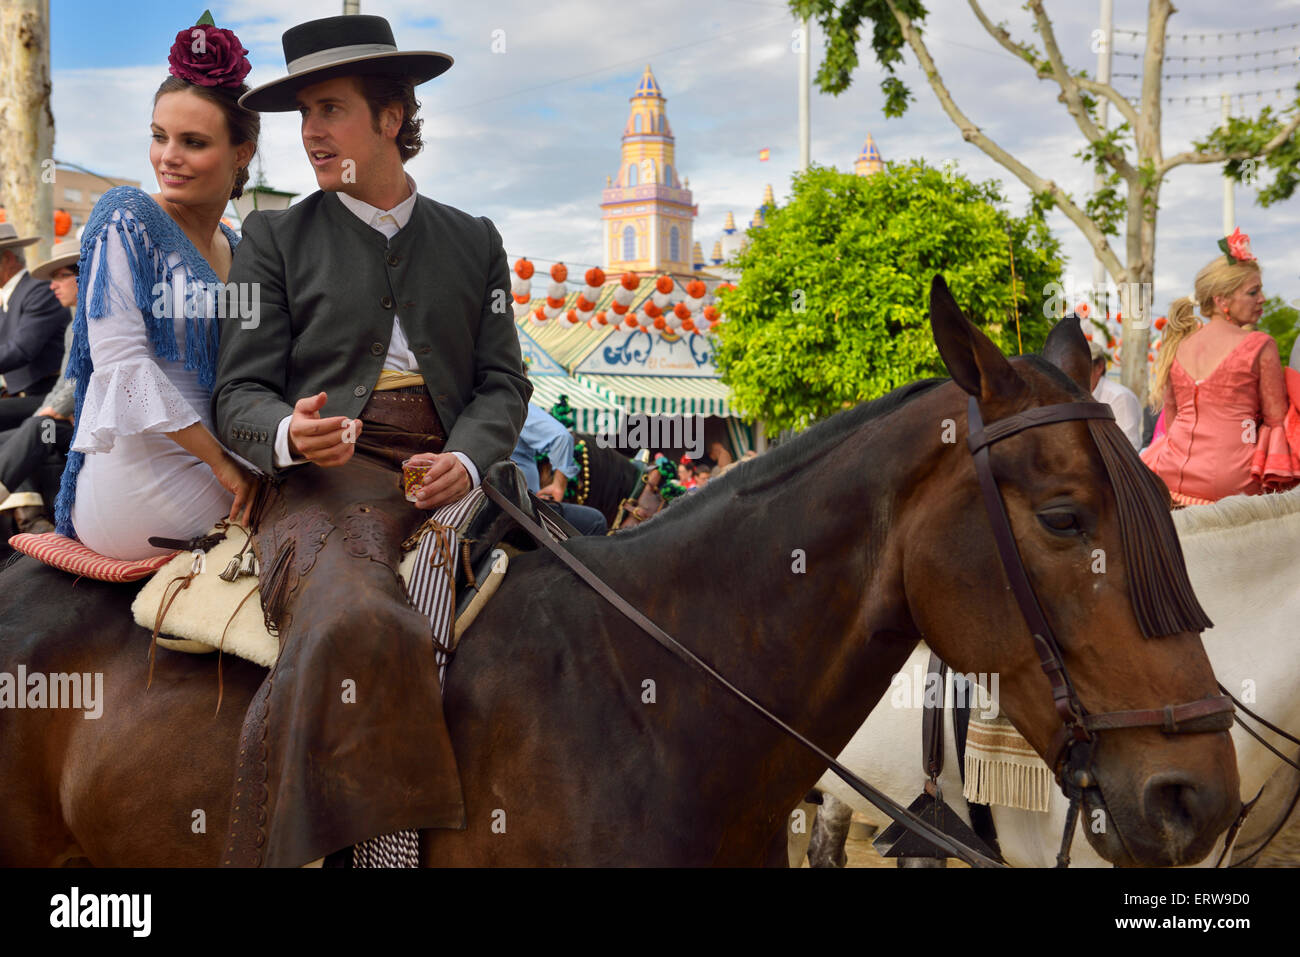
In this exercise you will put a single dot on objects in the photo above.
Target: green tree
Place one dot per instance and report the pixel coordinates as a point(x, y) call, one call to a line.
point(833, 305)
point(1128, 158)
point(1279, 321)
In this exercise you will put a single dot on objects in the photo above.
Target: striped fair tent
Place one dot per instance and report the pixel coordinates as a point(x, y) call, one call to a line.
point(595, 411)
point(664, 395)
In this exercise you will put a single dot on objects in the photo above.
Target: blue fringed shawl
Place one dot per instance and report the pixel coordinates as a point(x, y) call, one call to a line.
point(150, 236)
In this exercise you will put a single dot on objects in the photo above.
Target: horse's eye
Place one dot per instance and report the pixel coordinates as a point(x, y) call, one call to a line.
point(1060, 521)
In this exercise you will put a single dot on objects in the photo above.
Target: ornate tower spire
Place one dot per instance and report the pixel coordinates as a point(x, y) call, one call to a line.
point(648, 210)
point(868, 160)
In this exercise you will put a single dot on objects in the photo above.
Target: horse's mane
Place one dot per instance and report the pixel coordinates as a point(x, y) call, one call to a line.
point(787, 459)
point(1236, 511)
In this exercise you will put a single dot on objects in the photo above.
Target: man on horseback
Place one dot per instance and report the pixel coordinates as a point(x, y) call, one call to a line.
point(384, 332)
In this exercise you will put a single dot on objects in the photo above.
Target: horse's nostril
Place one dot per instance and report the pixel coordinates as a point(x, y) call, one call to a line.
point(1173, 802)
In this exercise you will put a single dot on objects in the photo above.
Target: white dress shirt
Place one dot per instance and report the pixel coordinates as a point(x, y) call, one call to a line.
point(1128, 410)
point(400, 356)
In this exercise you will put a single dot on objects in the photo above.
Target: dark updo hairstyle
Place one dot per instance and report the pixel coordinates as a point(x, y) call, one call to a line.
point(245, 125)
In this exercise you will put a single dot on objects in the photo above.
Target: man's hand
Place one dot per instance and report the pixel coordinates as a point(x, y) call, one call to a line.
point(555, 491)
point(327, 442)
point(446, 482)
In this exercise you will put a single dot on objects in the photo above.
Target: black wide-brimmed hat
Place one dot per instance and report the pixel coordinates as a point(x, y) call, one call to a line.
point(340, 46)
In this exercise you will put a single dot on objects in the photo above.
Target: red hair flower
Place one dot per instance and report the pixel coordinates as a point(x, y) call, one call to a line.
point(1237, 246)
point(207, 55)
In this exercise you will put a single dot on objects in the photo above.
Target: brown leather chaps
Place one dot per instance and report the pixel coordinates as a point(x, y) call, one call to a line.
point(345, 739)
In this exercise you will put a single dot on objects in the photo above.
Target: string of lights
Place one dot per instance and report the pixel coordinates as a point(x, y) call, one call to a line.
point(1214, 34)
point(1218, 97)
point(1137, 55)
point(1212, 73)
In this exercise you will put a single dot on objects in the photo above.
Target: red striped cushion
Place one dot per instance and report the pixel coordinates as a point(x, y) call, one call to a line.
point(70, 555)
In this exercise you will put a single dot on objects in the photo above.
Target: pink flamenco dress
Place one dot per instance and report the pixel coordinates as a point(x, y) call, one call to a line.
point(1218, 444)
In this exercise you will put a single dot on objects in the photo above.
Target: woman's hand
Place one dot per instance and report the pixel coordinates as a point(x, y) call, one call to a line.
point(237, 480)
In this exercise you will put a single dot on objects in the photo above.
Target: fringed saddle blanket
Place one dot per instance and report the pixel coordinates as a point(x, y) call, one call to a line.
point(1003, 768)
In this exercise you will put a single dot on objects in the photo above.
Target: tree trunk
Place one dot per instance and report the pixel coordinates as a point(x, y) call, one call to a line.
point(1137, 291)
point(27, 146)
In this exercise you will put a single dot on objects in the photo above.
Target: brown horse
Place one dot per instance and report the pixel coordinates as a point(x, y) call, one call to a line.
point(581, 741)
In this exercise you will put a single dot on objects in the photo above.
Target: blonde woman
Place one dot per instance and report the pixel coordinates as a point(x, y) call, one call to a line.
point(1222, 389)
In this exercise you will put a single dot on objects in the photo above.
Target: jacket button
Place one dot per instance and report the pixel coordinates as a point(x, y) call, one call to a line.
point(393, 259)
point(386, 302)
point(376, 348)
point(359, 391)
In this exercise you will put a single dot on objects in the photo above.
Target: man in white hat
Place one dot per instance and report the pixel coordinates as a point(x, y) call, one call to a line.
point(384, 331)
point(1128, 410)
point(32, 323)
point(44, 436)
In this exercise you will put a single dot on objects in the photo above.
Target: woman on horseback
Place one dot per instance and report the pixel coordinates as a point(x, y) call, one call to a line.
point(1222, 387)
point(145, 461)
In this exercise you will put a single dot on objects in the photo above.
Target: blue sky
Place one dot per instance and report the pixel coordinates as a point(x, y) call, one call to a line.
point(527, 137)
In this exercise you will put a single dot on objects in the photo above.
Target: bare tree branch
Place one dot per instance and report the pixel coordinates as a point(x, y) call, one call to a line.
point(972, 134)
point(1220, 156)
point(1125, 108)
point(1070, 91)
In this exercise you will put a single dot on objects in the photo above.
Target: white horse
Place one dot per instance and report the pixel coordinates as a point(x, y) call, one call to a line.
point(1243, 557)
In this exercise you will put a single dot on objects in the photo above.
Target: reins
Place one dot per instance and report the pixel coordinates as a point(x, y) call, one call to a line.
point(896, 811)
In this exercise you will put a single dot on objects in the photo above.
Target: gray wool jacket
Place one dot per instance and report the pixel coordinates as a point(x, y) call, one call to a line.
point(328, 286)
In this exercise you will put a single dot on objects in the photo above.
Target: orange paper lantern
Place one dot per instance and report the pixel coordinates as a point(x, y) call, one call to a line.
point(559, 272)
point(595, 276)
point(583, 304)
point(664, 284)
point(651, 310)
point(524, 269)
point(618, 308)
point(711, 313)
point(695, 289)
point(630, 280)
point(602, 318)
point(682, 311)
point(1161, 322)
point(688, 325)
point(62, 222)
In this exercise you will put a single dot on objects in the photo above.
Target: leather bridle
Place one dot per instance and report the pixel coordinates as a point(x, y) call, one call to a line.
point(1073, 743)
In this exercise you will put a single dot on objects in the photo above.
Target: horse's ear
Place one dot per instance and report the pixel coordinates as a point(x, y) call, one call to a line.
point(1067, 349)
point(976, 364)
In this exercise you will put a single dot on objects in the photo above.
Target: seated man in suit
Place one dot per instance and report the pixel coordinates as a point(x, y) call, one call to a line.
point(32, 322)
point(384, 331)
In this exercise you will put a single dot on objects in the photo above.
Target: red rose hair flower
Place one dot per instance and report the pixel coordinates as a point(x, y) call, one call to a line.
point(209, 56)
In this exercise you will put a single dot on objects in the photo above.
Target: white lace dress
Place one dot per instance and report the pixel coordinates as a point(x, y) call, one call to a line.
point(136, 482)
